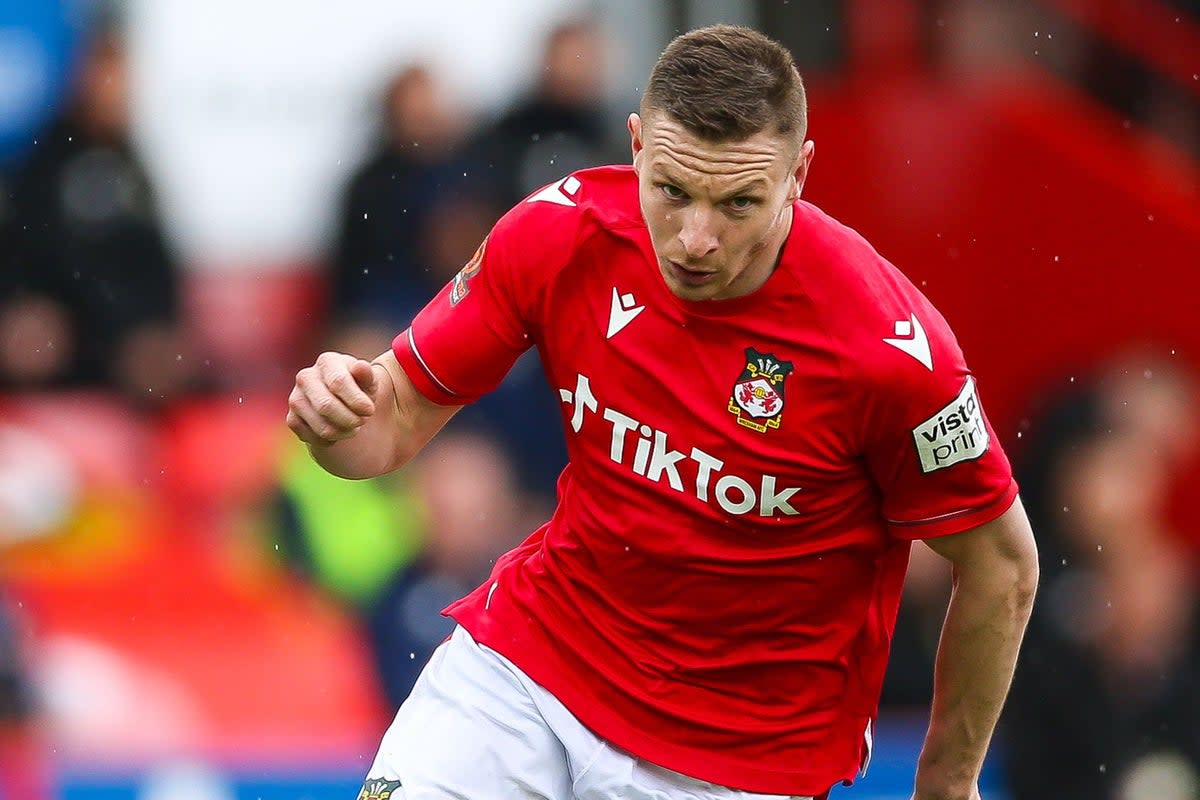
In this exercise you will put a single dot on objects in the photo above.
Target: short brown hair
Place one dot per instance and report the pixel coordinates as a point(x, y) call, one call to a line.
point(726, 82)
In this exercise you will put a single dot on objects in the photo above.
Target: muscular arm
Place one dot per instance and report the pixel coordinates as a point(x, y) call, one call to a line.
point(995, 578)
point(361, 419)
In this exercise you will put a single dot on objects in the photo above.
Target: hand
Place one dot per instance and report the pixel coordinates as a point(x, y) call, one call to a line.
point(332, 399)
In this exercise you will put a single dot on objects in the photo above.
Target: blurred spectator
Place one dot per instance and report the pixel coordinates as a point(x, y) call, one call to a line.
point(467, 487)
point(560, 127)
point(412, 216)
point(91, 296)
point(347, 537)
point(393, 211)
point(1106, 704)
point(399, 548)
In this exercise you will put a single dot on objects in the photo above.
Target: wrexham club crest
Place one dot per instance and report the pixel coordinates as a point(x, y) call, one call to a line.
point(758, 394)
point(462, 280)
point(378, 789)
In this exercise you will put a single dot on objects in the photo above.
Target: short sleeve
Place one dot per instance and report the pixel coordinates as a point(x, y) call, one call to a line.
point(462, 344)
point(928, 443)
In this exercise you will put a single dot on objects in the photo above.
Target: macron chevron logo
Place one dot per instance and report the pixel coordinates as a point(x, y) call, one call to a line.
point(622, 312)
point(911, 339)
point(559, 192)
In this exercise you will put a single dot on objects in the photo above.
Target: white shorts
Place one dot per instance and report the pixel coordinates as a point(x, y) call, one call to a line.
point(477, 728)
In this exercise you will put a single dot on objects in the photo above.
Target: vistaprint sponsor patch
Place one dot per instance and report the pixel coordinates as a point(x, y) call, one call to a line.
point(955, 433)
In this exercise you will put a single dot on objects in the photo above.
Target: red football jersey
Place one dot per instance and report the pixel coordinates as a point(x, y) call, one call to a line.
point(717, 588)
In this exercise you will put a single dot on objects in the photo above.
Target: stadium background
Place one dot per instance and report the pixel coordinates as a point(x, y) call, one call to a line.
point(1032, 166)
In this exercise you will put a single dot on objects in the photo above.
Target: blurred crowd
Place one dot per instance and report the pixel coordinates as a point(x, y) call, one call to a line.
point(1106, 702)
point(91, 307)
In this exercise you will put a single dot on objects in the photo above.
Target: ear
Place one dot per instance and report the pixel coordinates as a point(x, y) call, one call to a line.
point(800, 169)
point(634, 124)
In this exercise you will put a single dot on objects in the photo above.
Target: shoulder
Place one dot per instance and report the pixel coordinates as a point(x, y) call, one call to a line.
point(550, 223)
point(882, 323)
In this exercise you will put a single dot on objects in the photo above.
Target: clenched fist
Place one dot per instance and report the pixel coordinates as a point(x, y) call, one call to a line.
point(332, 399)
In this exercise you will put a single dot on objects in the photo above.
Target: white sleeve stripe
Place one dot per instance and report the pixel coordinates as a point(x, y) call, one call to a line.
point(413, 344)
point(962, 512)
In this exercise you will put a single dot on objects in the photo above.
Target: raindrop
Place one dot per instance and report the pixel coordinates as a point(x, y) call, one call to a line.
point(364, 215)
point(1020, 434)
point(1072, 379)
point(1099, 548)
point(277, 546)
point(1056, 258)
point(412, 656)
point(1150, 217)
point(1064, 562)
point(1066, 509)
point(241, 400)
point(179, 356)
point(1104, 768)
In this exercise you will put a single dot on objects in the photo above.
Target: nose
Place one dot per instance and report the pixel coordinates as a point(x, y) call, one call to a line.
point(698, 234)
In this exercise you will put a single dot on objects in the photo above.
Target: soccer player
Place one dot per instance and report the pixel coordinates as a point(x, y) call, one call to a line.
point(762, 415)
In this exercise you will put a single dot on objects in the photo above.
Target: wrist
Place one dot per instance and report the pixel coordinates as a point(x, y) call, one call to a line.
point(940, 783)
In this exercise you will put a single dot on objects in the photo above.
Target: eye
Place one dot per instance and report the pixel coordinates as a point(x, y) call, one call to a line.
point(742, 203)
point(672, 191)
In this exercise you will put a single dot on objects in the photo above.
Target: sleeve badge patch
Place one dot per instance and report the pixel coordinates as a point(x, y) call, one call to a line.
point(462, 280)
point(757, 398)
point(955, 433)
point(379, 789)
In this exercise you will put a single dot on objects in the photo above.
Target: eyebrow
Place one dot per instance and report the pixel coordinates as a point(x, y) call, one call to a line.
point(747, 188)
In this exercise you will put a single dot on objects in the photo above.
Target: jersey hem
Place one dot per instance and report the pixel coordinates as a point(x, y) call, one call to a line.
point(601, 712)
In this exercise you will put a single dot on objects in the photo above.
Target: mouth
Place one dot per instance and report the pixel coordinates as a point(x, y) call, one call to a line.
point(690, 277)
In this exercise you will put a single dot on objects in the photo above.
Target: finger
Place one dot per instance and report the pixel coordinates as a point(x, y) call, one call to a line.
point(343, 386)
point(363, 373)
point(301, 428)
point(328, 416)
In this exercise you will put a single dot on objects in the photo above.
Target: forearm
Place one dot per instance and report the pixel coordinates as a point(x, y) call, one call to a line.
point(976, 658)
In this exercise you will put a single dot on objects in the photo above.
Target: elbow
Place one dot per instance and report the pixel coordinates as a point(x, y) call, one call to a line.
point(1025, 576)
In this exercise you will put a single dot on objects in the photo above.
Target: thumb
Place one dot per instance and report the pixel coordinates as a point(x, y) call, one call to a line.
point(364, 375)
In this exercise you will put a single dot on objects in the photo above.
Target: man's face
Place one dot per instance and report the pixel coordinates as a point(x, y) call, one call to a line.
point(717, 213)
